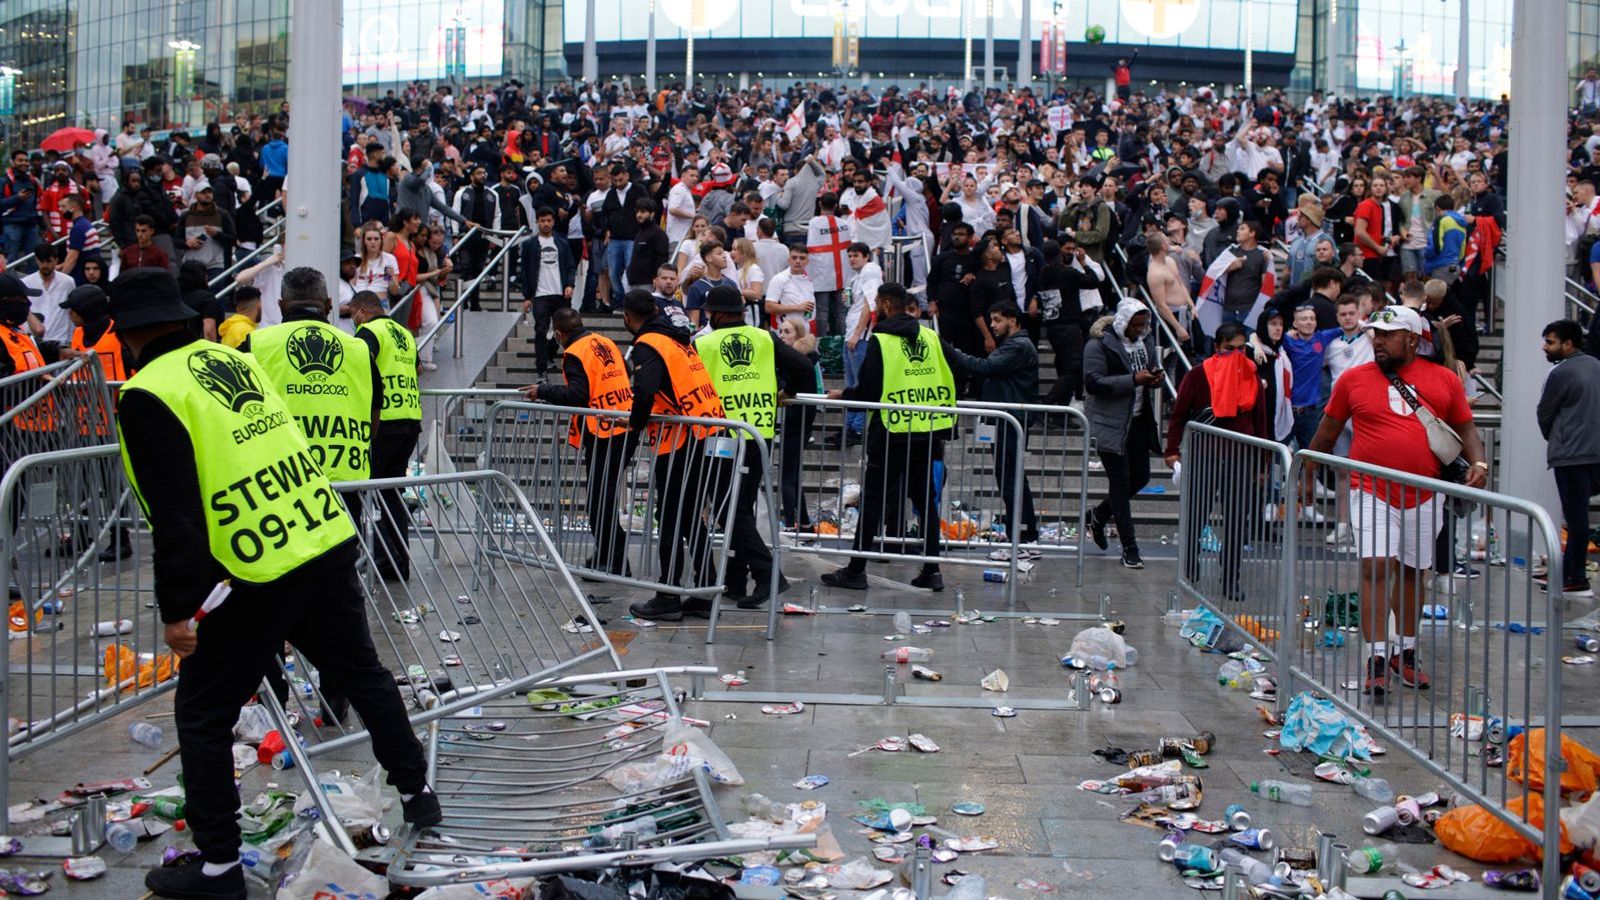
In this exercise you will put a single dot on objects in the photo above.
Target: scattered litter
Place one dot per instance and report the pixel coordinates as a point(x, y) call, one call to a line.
point(1584, 660)
point(944, 855)
point(893, 744)
point(1028, 884)
point(734, 679)
point(471, 620)
point(761, 875)
point(451, 637)
point(547, 698)
point(1003, 712)
point(1517, 880)
point(888, 853)
point(923, 743)
point(574, 626)
point(811, 782)
point(784, 709)
point(646, 623)
point(997, 681)
point(1315, 725)
point(856, 608)
point(967, 809)
point(923, 673)
point(452, 660)
point(859, 875)
point(1333, 772)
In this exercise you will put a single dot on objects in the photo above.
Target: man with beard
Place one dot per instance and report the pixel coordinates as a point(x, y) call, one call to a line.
point(1396, 525)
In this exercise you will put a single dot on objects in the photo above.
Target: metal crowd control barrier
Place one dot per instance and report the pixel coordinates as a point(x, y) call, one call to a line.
point(489, 625)
point(84, 646)
point(1229, 553)
point(55, 407)
point(827, 496)
point(622, 510)
point(1475, 638)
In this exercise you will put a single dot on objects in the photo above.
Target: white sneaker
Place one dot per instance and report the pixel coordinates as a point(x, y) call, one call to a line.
point(1311, 515)
point(1322, 491)
point(1341, 536)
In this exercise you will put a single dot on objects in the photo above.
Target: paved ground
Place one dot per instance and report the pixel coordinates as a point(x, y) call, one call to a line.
point(1024, 770)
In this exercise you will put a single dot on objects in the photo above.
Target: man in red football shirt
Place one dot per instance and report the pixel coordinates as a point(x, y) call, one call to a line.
point(1396, 525)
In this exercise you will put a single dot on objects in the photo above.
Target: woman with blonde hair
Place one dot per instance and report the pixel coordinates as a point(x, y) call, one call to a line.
point(749, 278)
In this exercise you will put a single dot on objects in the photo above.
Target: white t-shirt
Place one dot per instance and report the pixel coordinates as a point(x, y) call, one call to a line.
point(269, 282)
point(549, 268)
point(1019, 275)
point(47, 306)
point(1342, 354)
point(863, 296)
point(374, 279)
point(681, 199)
point(790, 289)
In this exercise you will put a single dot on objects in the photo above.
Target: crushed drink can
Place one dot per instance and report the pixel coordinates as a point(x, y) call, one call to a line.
point(282, 760)
point(1237, 816)
point(1115, 626)
point(1254, 839)
point(111, 627)
point(365, 837)
point(1140, 758)
point(997, 575)
point(1110, 695)
point(1168, 848)
point(1588, 643)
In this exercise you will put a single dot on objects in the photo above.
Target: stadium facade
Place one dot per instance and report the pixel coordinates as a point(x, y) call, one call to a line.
point(187, 62)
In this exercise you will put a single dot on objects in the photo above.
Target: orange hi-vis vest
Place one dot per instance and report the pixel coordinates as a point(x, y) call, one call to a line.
point(25, 357)
point(696, 398)
point(108, 350)
point(608, 387)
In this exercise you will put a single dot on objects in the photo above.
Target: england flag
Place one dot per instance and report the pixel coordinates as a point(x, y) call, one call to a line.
point(1208, 308)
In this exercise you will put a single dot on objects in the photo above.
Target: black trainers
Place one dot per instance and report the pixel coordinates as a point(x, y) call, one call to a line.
point(188, 881)
point(845, 578)
point(661, 607)
point(1095, 529)
point(930, 579)
point(1131, 558)
point(763, 592)
point(1377, 683)
point(422, 810)
point(700, 609)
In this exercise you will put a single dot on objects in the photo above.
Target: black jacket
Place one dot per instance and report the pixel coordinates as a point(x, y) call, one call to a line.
point(162, 458)
point(650, 376)
point(1010, 374)
point(530, 264)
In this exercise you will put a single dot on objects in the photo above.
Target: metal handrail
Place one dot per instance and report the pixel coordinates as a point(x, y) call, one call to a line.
point(398, 308)
point(1576, 293)
point(230, 274)
point(1488, 386)
point(452, 317)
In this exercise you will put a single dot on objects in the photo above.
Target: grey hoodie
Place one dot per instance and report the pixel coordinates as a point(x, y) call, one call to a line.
point(798, 199)
point(416, 196)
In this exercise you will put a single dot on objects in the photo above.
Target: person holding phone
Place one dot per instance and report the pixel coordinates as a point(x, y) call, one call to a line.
point(1121, 372)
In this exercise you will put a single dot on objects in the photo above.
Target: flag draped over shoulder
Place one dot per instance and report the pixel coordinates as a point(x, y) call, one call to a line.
point(1208, 308)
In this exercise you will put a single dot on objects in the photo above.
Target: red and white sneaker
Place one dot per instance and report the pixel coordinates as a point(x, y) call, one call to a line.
point(1377, 683)
point(1404, 664)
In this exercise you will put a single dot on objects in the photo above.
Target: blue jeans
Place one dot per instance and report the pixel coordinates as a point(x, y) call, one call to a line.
point(618, 254)
point(855, 420)
point(1307, 419)
point(1239, 316)
point(19, 238)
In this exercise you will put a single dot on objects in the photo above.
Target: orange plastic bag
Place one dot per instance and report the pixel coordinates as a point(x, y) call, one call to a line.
point(19, 616)
point(123, 667)
point(1254, 625)
point(1476, 833)
point(1582, 773)
point(959, 529)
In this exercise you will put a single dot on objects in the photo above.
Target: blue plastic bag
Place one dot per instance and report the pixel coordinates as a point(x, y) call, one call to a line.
point(1315, 725)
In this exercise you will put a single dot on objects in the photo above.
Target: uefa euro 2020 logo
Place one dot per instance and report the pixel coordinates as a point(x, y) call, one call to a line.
point(228, 379)
point(314, 354)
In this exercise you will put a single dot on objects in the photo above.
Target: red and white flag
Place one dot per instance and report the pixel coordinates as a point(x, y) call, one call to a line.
point(794, 124)
point(1208, 307)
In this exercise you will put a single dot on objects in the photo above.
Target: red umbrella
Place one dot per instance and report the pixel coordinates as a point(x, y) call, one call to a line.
point(64, 140)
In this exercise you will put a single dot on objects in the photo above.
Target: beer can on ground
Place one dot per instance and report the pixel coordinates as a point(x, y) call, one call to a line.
point(1110, 695)
point(1238, 817)
point(111, 627)
point(1143, 758)
point(1407, 810)
point(998, 575)
point(1588, 643)
point(1168, 848)
point(282, 760)
point(1380, 820)
point(367, 836)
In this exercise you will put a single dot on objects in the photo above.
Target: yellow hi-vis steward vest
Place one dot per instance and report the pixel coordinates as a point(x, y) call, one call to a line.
point(397, 366)
point(269, 509)
point(915, 373)
point(325, 378)
point(742, 369)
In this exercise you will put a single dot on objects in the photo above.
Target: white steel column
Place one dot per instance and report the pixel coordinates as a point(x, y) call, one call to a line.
point(1464, 52)
point(315, 76)
point(1025, 46)
point(591, 56)
point(1536, 243)
point(650, 52)
point(988, 44)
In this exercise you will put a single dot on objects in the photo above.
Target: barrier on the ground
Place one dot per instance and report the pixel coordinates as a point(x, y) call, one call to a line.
point(1230, 543)
point(488, 625)
point(620, 512)
point(85, 643)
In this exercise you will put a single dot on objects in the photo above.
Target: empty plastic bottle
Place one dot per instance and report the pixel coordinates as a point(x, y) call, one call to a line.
point(907, 654)
point(1366, 860)
point(644, 827)
point(902, 622)
point(121, 837)
point(1195, 856)
point(1283, 791)
point(1088, 662)
point(1255, 870)
point(1373, 788)
point(1234, 674)
point(145, 733)
point(762, 807)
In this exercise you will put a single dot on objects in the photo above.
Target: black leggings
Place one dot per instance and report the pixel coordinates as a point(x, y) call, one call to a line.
point(1127, 473)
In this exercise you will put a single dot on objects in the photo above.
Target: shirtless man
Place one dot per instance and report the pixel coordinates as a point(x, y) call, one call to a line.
point(1167, 289)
